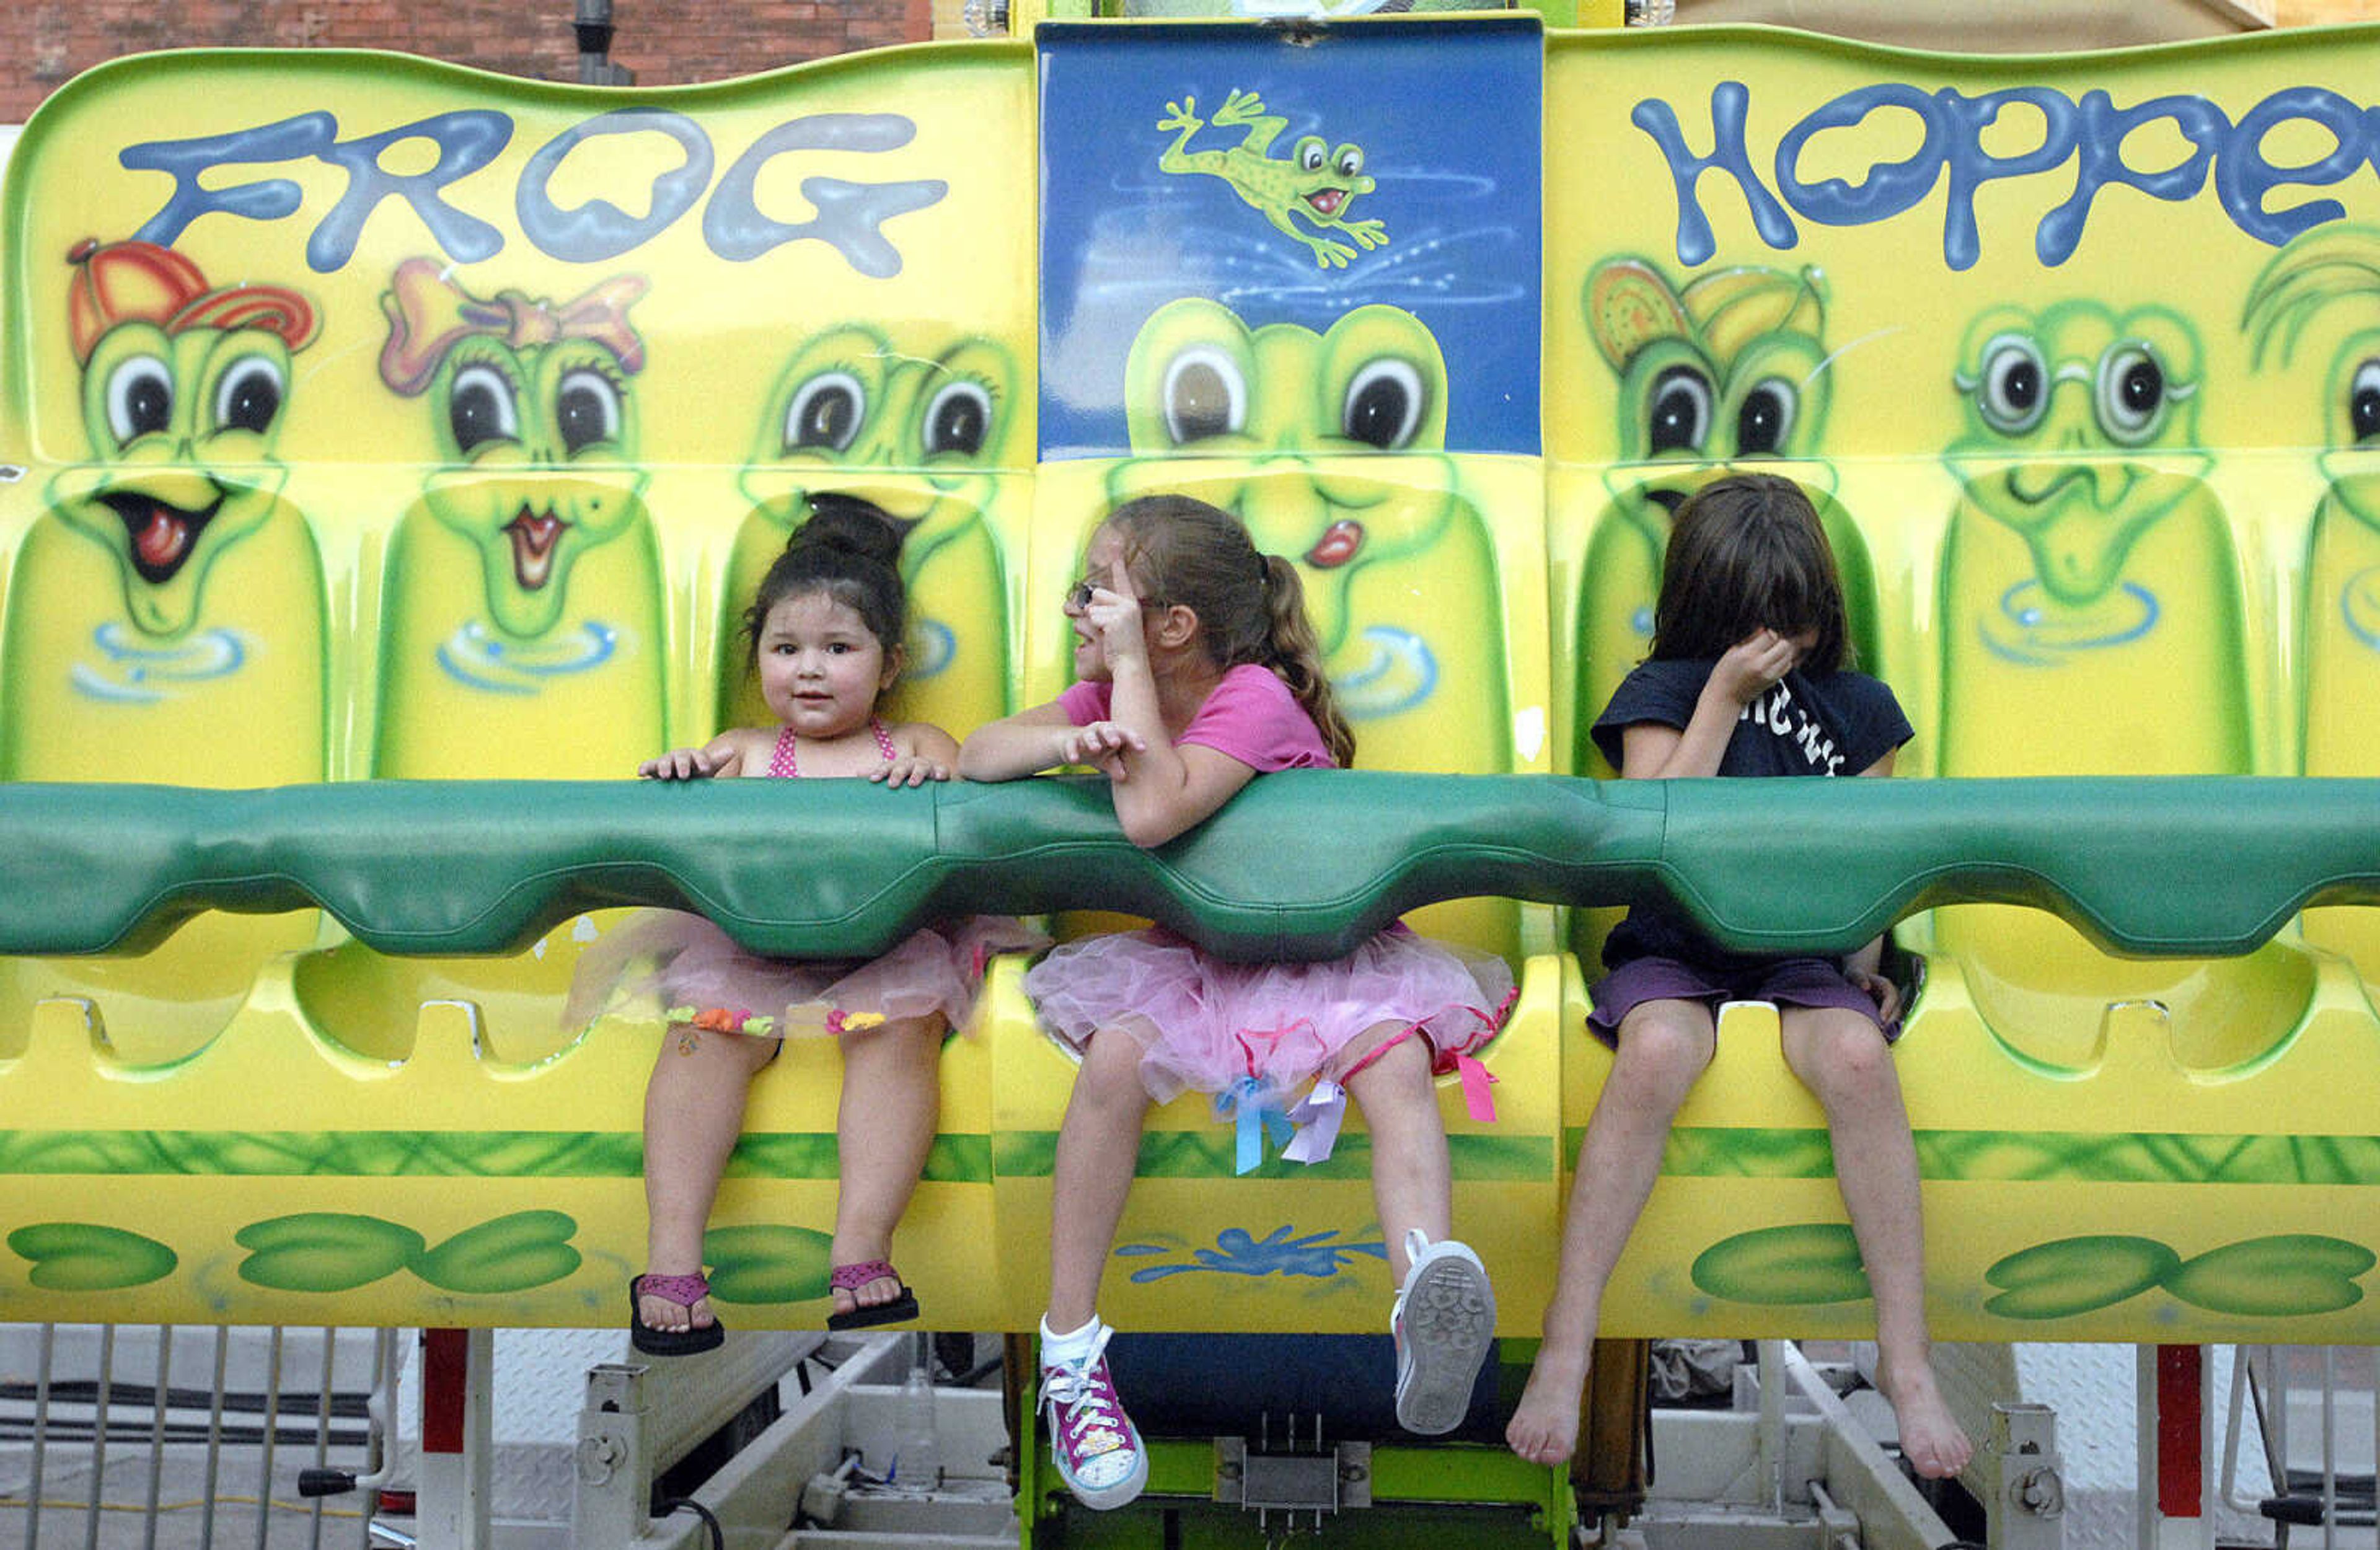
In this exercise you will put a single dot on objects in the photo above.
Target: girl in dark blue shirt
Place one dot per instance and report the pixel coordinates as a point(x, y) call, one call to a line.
point(1748, 675)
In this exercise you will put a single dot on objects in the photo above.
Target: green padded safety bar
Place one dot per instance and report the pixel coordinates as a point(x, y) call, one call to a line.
point(1299, 865)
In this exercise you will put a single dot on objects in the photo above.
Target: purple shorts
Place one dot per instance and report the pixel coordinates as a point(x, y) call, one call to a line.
point(1794, 982)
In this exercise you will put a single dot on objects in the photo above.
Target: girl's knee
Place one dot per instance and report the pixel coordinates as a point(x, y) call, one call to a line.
point(1111, 1068)
point(1664, 1046)
point(1831, 1047)
point(914, 1042)
point(1384, 1063)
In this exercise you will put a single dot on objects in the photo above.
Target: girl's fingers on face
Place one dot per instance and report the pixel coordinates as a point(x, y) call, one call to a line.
point(1120, 579)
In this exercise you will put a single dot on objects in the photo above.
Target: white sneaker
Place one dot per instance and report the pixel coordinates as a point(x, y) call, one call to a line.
point(1444, 1321)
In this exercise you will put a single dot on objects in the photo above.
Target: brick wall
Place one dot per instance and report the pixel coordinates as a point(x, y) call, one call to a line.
point(664, 41)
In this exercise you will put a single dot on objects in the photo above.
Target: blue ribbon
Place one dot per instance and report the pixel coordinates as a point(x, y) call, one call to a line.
point(1254, 1111)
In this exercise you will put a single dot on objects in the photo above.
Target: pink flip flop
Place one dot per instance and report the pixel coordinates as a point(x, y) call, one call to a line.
point(684, 1290)
point(851, 1278)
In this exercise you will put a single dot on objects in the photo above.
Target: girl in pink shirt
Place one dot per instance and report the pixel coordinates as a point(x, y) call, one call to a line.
point(1197, 670)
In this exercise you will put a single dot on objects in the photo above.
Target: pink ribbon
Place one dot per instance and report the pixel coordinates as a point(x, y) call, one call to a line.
point(428, 315)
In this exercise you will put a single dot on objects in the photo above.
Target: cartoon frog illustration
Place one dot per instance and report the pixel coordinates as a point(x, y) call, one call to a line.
point(527, 578)
point(2056, 404)
point(2330, 280)
point(2091, 622)
point(2084, 549)
point(920, 425)
point(1275, 416)
point(1730, 366)
point(1285, 428)
point(166, 616)
point(177, 592)
point(1315, 183)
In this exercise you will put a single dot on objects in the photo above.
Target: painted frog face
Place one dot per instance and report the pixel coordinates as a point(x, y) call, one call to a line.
point(1729, 367)
point(540, 443)
point(182, 427)
point(1277, 403)
point(850, 399)
point(2062, 408)
point(2331, 273)
point(1322, 179)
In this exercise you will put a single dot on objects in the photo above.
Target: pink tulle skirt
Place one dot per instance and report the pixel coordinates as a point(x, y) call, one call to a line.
point(684, 969)
point(1204, 1025)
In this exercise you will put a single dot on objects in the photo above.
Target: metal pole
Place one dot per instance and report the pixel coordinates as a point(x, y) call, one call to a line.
point(157, 1429)
point(272, 1426)
point(322, 1429)
point(99, 1434)
point(591, 21)
point(1771, 1432)
point(214, 1439)
point(458, 1367)
point(41, 1434)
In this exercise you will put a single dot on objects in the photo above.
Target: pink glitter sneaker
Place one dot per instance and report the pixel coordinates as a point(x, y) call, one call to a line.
point(1097, 1448)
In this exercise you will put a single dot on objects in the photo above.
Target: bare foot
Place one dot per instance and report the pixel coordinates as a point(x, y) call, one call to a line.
point(1931, 1438)
point(1544, 1428)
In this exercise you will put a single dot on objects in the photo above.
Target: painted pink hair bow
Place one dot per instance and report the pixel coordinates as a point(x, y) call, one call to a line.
point(428, 315)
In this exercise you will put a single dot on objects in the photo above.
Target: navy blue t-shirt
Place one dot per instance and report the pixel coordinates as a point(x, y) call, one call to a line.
point(1836, 723)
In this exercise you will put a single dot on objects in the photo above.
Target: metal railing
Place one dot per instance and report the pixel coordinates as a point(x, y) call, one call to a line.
point(2331, 1490)
point(106, 1445)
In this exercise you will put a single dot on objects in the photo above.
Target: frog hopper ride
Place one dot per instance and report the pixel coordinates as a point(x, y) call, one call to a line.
point(391, 476)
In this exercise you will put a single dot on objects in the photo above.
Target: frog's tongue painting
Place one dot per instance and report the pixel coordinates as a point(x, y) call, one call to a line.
point(534, 535)
point(1337, 546)
point(161, 536)
point(1328, 200)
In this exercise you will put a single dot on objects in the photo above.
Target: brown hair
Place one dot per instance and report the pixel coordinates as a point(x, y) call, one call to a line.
point(1747, 551)
point(850, 550)
point(1251, 607)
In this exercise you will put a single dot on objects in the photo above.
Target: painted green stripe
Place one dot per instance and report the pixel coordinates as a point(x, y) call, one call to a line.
point(1212, 1153)
point(1979, 1156)
point(2035, 1156)
point(431, 1155)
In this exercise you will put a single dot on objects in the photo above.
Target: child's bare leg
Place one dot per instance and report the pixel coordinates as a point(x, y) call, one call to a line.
point(1098, 1145)
point(1413, 1184)
point(1663, 1048)
point(883, 1127)
point(693, 1111)
point(1844, 1060)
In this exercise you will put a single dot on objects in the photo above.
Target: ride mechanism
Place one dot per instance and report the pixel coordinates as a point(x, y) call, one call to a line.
point(393, 444)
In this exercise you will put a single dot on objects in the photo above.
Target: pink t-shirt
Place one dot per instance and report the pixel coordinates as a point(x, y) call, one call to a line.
point(1251, 716)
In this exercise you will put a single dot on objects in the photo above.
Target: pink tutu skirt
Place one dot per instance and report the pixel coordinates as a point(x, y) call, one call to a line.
point(1206, 1024)
point(684, 969)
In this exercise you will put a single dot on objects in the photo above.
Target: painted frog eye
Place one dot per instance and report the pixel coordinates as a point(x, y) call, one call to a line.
point(140, 397)
point(2364, 401)
point(1384, 404)
point(1310, 153)
point(826, 412)
point(1765, 417)
point(484, 407)
point(1347, 161)
point(2132, 393)
point(587, 409)
point(958, 418)
point(1204, 395)
point(2013, 393)
point(249, 394)
point(1680, 410)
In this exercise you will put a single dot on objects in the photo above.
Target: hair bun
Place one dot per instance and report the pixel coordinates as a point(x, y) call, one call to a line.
point(852, 524)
